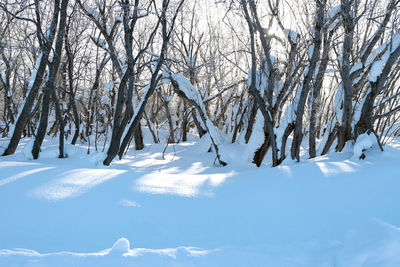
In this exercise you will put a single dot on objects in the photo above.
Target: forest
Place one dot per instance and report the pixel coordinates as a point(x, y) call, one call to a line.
point(199, 133)
point(318, 74)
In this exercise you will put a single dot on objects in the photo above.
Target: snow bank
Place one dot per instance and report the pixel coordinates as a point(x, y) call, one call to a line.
point(119, 255)
point(364, 142)
point(121, 246)
point(373, 243)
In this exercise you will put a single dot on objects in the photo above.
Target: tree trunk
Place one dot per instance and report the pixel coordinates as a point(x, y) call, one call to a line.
point(344, 132)
point(316, 104)
point(50, 84)
point(298, 130)
point(71, 93)
point(35, 81)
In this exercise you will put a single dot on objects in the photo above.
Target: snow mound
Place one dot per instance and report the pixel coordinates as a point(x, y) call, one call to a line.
point(27, 150)
point(97, 158)
point(364, 142)
point(121, 246)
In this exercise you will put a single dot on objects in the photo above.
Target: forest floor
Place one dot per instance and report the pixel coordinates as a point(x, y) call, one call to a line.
point(183, 210)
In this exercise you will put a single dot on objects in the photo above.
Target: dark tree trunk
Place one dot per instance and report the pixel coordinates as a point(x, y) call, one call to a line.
point(262, 151)
point(316, 104)
point(289, 129)
point(113, 151)
point(185, 122)
point(201, 131)
point(71, 93)
point(366, 122)
point(344, 133)
point(251, 121)
point(8, 113)
point(331, 138)
point(238, 124)
point(202, 114)
point(36, 80)
point(50, 84)
point(298, 130)
point(268, 123)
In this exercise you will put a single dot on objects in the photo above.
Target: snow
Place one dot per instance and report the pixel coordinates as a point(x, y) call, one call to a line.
point(34, 72)
point(358, 108)
point(261, 79)
point(392, 44)
point(376, 70)
point(31, 81)
point(257, 137)
point(190, 61)
point(109, 86)
point(92, 12)
point(143, 13)
point(378, 65)
point(182, 210)
point(375, 53)
point(104, 100)
point(395, 42)
point(129, 203)
point(364, 141)
point(27, 150)
point(334, 11)
point(121, 246)
point(338, 103)
point(191, 93)
point(356, 67)
point(310, 51)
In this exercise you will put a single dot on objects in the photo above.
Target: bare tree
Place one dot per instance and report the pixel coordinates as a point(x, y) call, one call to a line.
point(46, 41)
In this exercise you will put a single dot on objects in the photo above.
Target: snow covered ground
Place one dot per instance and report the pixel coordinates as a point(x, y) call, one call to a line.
point(183, 210)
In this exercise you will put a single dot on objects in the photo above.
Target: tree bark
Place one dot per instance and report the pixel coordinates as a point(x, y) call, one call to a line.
point(345, 130)
point(36, 77)
point(298, 130)
point(50, 83)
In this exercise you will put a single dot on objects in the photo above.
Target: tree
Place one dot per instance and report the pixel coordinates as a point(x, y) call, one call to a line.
point(45, 41)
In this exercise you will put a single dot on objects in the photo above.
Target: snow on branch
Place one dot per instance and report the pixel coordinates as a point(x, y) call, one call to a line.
point(183, 87)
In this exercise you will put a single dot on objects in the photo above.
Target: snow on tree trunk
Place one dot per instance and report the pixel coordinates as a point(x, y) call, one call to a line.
point(186, 90)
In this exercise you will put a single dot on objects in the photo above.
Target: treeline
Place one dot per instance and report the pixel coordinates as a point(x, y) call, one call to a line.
point(315, 72)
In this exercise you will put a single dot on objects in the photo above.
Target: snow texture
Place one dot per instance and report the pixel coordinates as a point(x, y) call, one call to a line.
point(34, 72)
point(338, 103)
point(334, 11)
point(376, 70)
point(358, 109)
point(121, 246)
point(310, 51)
point(72, 212)
point(364, 141)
